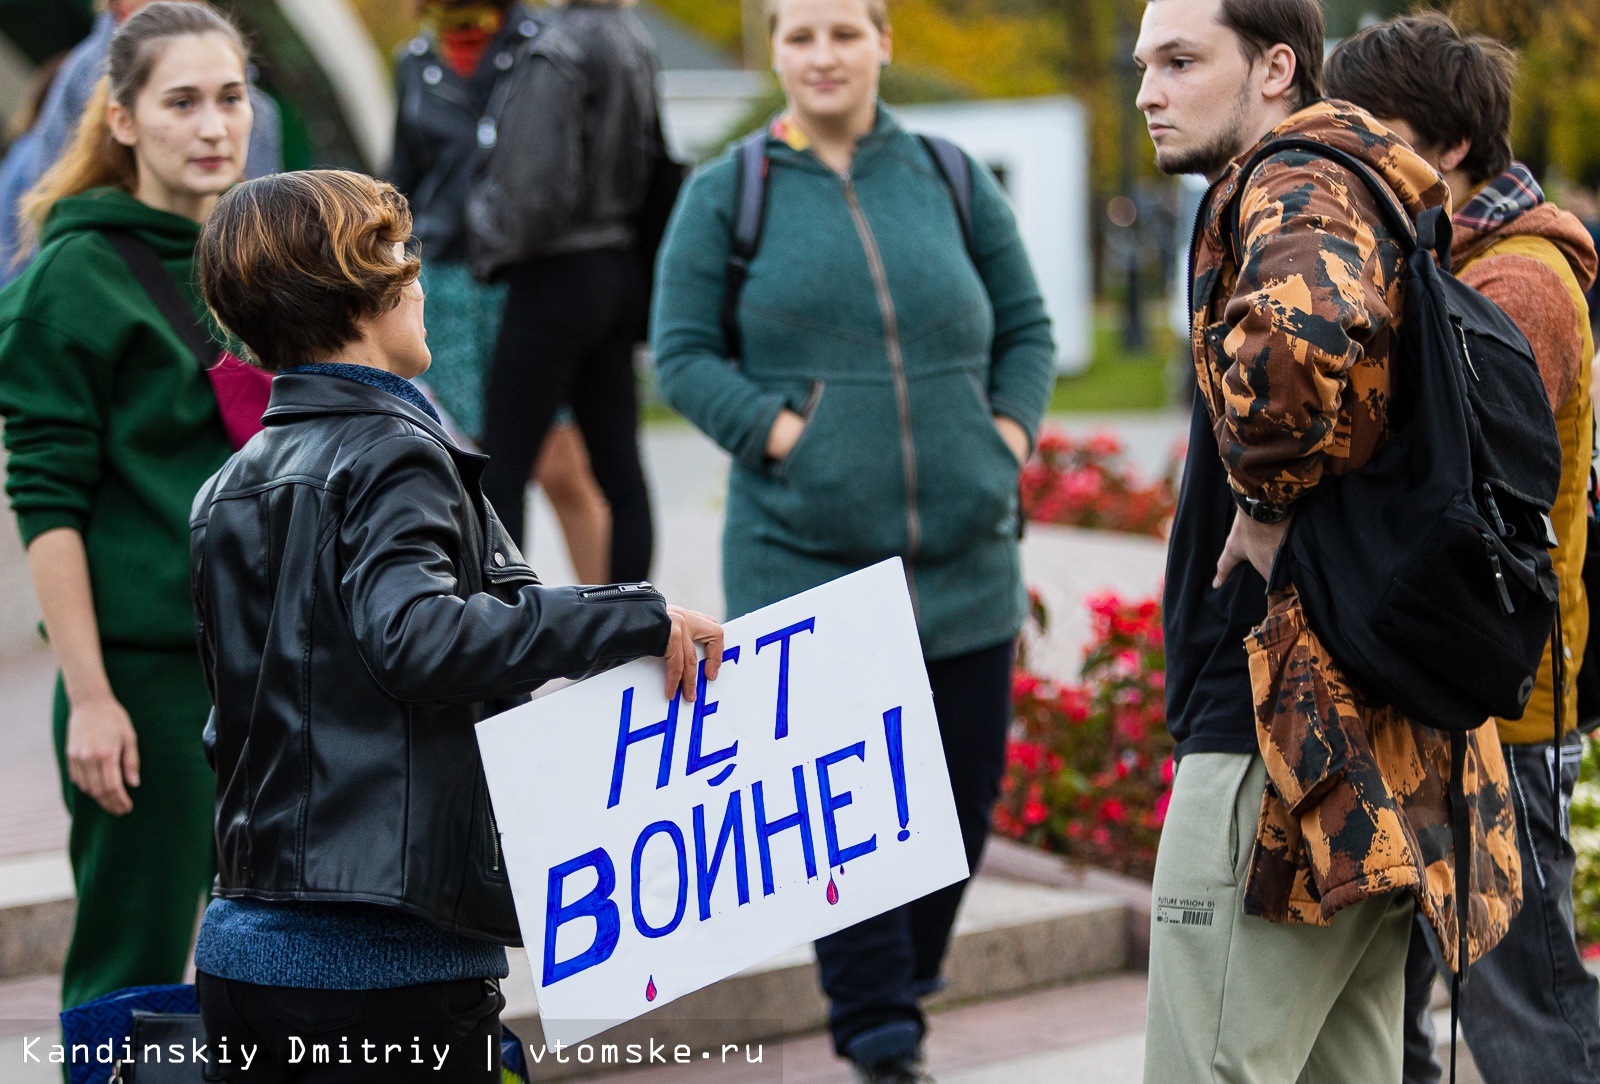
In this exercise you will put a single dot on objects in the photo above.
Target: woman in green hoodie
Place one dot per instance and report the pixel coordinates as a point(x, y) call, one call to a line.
point(890, 382)
point(112, 426)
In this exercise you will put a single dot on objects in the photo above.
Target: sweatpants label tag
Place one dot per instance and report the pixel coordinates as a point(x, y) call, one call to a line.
point(1185, 911)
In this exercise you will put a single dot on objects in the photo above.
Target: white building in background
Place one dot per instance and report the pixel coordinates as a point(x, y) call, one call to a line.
point(1039, 147)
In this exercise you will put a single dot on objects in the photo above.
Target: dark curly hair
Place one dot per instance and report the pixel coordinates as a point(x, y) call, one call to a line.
point(1448, 86)
point(289, 263)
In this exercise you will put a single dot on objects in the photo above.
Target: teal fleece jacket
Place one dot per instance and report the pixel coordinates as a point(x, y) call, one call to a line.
point(110, 422)
point(865, 313)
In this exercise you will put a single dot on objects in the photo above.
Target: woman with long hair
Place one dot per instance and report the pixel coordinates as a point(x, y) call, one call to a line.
point(112, 426)
point(896, 360)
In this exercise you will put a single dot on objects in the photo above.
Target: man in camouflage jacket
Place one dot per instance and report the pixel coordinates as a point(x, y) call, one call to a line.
point(1282, 912)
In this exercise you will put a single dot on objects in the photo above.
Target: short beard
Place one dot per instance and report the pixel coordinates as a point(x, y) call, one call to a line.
point(1214, 157)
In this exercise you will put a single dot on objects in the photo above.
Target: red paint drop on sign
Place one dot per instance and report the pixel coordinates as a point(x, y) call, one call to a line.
point(833, 891)
point(650, 989)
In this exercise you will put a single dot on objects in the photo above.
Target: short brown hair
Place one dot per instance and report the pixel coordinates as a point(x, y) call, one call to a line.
point(1447, 86)
point(1261, 24)
point(289, 263)
point(877, 11)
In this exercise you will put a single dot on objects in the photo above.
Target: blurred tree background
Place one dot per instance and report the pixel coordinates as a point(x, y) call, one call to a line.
point(1012, 48)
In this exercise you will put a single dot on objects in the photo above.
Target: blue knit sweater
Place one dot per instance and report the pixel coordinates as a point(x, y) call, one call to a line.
point(336, 946)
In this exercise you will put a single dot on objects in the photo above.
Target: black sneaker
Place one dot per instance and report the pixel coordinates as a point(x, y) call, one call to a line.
point(893, 1071)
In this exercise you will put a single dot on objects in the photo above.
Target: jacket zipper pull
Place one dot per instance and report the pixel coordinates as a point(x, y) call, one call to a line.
point(1499, 576)
point(1466, 352)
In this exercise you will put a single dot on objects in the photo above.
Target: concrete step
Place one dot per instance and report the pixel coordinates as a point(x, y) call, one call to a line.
point(36, 909)
point(1010, 937)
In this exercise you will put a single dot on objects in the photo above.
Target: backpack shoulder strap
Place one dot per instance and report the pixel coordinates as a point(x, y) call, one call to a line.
point(956, 169)
point(749, 212)
point(1399, 221)
point(163, 290)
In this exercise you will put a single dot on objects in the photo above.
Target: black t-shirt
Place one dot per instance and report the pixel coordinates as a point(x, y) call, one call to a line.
point(1209, 706)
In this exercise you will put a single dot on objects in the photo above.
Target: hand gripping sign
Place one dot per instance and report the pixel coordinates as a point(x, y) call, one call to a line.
point(655, 847)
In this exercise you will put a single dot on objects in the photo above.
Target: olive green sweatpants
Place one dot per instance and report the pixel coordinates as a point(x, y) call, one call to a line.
point(141, 878)
point(1235, 999)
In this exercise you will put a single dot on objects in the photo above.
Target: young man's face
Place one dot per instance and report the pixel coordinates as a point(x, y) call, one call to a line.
point(1198, 89)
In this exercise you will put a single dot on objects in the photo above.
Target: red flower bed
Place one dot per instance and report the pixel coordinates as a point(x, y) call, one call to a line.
point(1088, 483)
point(1089, 766)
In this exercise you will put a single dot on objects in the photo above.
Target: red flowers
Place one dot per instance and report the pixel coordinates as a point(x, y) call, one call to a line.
point(1087, 484)
point(1089, 766)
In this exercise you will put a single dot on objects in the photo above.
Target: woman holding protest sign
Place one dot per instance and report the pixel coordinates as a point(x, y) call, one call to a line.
point(112, 425)
point(360, 608)
point(893, 361)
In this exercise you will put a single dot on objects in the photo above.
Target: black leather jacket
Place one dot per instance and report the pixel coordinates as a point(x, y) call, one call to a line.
point(576, 135)
point(359, 609)
point(436, 152)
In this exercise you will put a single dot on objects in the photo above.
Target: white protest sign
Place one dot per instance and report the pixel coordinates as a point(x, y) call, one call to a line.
point(655, 847)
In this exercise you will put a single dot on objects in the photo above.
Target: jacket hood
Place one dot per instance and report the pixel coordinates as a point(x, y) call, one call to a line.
point(1354, 131)
point(1561, 228)
point(172, 236)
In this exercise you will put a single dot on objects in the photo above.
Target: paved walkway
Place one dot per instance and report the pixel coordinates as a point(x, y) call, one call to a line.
point(1087, 1032)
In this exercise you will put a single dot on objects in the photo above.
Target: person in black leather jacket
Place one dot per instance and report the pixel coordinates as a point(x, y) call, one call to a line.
point(359, 608)
point(576, 139)
point(445, 81)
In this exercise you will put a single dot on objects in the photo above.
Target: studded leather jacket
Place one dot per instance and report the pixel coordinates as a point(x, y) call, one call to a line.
point(359, 609)
point(437, 130)
point(576, 137)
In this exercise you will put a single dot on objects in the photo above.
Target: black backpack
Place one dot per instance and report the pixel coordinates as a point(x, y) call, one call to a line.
point(1427, 573)
point(954, 168)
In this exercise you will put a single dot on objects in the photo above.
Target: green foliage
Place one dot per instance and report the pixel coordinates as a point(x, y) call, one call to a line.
point(1117, 380)
point(1586, 841)
point(719, 21)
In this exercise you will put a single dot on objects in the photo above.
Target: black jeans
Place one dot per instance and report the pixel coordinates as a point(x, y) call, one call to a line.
point(439, 1032)
point(875, 971)
point(1530, 1011)
point(570, 326)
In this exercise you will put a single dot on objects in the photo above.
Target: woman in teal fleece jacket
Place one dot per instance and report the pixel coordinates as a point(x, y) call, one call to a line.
point(112, 427)
point(890, 385)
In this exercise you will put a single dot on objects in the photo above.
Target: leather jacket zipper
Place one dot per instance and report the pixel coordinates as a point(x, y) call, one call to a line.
point(613, 591)
point(897, 372)
point(494, 832)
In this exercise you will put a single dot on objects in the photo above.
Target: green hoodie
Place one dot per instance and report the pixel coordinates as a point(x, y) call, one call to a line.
point(111, 424)
point(865, 313)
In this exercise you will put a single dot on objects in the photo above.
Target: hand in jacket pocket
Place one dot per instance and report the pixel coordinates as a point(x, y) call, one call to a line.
point(784, 435)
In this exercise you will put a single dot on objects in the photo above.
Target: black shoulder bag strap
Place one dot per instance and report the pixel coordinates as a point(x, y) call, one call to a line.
point(1398, 219)
point(749, 214)
point(956, 171)
point(163, 290)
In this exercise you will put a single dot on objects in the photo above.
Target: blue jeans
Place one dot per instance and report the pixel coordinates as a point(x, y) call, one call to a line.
point(1530, 1011)
point(875, 971)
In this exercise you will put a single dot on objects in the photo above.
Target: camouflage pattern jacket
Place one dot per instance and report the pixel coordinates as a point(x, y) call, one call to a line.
point(1292, 349)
